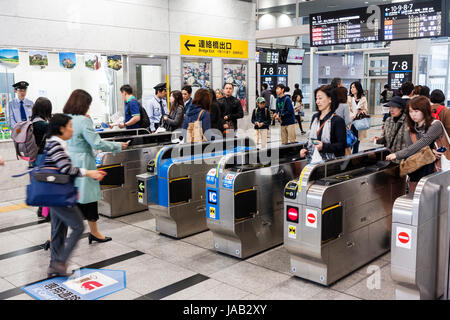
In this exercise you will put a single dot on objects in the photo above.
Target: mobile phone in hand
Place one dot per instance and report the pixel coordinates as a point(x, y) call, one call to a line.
point(442, 149)
point(314, 141)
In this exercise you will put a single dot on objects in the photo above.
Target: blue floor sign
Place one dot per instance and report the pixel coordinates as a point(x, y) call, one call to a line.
point(84, 284)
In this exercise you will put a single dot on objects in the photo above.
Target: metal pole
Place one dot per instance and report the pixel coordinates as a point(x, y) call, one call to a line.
point(311, 78)
point(448, 69)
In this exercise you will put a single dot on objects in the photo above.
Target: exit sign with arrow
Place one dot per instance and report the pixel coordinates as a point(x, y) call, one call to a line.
point(213, 47)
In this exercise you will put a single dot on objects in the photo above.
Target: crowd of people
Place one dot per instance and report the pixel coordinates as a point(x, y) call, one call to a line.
point(417, 120)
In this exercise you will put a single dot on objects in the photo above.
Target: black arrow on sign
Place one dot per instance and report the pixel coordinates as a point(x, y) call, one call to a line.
point(187, 45)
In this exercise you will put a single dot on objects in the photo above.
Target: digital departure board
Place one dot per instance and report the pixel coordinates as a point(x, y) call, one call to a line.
point(397, 21)
point(343, 27)
point(269, 56)
point(412, 20)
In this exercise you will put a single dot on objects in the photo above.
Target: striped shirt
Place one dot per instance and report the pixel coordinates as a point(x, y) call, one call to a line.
point(57, 156)
point(423, 139)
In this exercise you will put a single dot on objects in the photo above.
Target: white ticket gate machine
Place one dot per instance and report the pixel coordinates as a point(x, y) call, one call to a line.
point(419, 243)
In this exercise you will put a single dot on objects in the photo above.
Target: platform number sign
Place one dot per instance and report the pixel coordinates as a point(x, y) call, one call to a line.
point(400, 70)
point(276, 70)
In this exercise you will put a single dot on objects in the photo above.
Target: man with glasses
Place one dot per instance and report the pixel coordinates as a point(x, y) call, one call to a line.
point(20, 107)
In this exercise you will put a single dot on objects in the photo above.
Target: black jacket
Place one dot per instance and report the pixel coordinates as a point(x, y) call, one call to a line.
point(338, 135)
point(216, 116)
point(232, 108)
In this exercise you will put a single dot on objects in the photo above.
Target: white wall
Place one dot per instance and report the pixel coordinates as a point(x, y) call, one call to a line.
point(147, 27)
point(141, 27)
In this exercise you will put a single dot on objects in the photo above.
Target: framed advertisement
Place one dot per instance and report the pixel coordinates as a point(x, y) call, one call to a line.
point(197, 73)
point(236, 72)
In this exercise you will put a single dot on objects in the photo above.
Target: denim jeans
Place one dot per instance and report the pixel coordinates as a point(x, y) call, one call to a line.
point(62, 218)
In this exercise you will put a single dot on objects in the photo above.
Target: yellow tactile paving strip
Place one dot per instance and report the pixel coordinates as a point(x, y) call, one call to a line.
point(13, 207)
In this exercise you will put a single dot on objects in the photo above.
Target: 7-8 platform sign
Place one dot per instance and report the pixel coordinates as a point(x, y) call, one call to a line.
point(400, 70)
point(213, 47)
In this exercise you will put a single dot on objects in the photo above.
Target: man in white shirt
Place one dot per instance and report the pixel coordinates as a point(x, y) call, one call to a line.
point(156, 106)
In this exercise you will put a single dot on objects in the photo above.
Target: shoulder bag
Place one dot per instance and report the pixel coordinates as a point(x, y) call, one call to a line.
point(195, 131)
point(418, 160)
point(49, 188)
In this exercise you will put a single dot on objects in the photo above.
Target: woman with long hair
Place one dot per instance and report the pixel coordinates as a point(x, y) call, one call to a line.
point(358, 109)
point(199, 111)
point(423, 131)
point(215, 113)
point(174, 119)
point(40, 115)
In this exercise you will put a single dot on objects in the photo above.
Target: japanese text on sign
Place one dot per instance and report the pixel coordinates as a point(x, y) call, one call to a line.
point(213, 47)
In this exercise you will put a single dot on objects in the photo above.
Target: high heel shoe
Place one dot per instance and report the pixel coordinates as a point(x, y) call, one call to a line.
point(93, 238)
point(46, 245)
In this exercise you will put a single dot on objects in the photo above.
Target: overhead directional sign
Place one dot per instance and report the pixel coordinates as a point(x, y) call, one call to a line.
point(213, 47)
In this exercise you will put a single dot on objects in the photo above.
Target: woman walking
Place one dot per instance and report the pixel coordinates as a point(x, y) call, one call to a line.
point(81, 149)
point(60, 130)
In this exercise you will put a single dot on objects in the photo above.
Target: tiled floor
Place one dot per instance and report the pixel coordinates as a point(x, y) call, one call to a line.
point(164, 261)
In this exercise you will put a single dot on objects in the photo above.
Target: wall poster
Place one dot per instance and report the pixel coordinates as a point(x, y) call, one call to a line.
point(38, 58)
point(67, 60)
point(235, 72)
point(197, 73)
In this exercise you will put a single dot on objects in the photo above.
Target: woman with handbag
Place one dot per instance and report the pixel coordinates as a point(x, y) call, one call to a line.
point(300, 109)
point(56, 156)
point(197, 120)
point(327, 134)
point(418, 159)
point(358, 110)
point(395, 128)
point(40, 115)
point(81, 149)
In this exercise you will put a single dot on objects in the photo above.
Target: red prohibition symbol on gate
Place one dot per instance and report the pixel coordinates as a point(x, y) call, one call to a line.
point(403, 237)
point(311, 218)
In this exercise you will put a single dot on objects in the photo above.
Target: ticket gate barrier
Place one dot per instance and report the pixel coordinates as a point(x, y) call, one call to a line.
point(244, 205)
point(119, 195)
point(447, 252)
point(338, 214)
point(419, 243)
point(123, 133)
point(174, 189)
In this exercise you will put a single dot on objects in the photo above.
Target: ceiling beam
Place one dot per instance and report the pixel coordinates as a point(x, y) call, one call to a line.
point(294, 31)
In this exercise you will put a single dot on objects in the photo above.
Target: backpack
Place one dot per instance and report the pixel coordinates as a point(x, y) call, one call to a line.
point(265, 108)
point(145, 121)
point(195, 131)
point(438, 110)
point(24, 140)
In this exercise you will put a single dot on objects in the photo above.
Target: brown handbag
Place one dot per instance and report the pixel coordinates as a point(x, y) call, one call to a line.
point(416, 161)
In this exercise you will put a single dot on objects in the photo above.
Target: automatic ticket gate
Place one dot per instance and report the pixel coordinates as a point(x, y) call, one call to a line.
point(119, 194)
point(419, 243)
point(244, 205)
point(175, 189)
point(338, 214)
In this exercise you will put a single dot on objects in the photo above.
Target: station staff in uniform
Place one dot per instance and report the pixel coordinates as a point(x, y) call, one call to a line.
point(20, 107)
point(156, 106)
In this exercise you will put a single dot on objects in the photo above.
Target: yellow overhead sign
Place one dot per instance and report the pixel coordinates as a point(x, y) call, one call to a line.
point(213, 47)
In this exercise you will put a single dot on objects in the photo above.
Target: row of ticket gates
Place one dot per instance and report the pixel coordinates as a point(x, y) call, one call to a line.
point(332, 217)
